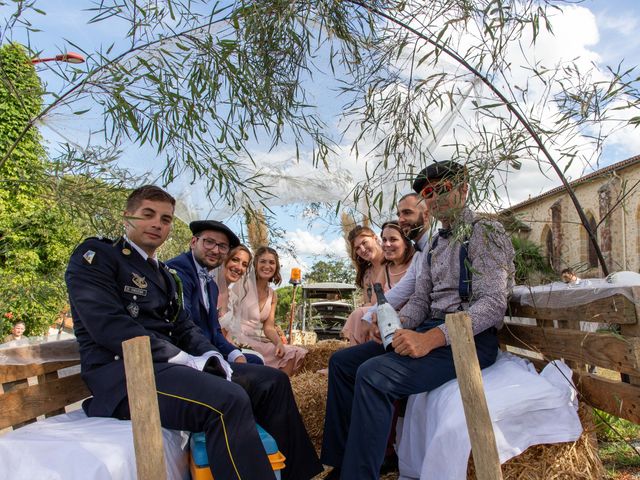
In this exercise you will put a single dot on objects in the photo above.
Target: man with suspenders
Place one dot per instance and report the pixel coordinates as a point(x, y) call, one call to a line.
point(364, 380)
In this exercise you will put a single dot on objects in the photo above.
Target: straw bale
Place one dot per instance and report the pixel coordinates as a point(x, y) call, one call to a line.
point(317, 356)
point(310, 390)
point(302, 337)
point(560, 461)
point(563, 461)
point(388, 476)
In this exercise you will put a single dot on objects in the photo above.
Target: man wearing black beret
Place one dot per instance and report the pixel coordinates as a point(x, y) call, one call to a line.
point(469, 267)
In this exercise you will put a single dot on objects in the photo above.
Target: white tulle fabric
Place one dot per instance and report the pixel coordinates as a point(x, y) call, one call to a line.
point(242, 304)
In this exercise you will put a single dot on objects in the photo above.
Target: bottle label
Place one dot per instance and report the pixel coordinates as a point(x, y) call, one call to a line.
point(388, 323)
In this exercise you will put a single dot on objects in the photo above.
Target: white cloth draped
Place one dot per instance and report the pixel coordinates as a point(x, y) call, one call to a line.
point(526, 409)
point(73, 446)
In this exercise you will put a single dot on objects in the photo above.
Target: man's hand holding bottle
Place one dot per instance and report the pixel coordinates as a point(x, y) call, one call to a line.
point(417, 344)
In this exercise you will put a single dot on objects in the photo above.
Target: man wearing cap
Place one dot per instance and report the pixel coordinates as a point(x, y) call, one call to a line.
point(119, 290)
point(364, 380)
point(210, 244)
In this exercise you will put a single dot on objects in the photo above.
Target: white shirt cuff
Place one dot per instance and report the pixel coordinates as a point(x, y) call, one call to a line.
point(234, 354)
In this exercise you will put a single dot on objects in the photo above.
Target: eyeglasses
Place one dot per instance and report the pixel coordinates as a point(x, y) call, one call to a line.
point(210, 244)
point(438, 189)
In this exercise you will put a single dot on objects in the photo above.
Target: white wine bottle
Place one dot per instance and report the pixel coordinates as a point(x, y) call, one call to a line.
point(388, 319)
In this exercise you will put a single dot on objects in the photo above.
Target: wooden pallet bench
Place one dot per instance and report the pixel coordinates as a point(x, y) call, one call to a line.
point(556, 334)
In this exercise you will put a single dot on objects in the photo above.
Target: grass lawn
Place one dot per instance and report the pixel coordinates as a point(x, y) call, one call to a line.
point(619, 446)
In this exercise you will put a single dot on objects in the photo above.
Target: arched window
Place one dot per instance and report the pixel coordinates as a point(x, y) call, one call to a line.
point(547, 240)
point(592, 256)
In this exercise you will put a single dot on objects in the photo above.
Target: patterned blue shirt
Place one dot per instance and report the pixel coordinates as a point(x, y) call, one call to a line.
point(490, 253)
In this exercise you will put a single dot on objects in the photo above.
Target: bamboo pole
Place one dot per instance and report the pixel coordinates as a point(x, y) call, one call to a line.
point(292, 312)
point(143, 405)
point(483, 442)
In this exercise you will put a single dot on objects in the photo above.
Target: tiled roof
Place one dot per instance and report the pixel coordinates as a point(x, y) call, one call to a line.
point(598, 173)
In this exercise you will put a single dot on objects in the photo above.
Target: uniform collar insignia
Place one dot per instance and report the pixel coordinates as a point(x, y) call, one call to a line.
point(88, 256)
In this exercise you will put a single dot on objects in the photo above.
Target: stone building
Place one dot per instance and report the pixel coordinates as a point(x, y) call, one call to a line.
point(610, 198)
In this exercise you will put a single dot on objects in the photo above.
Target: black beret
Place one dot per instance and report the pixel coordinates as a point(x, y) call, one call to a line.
point(203, 225)
point(439, 171)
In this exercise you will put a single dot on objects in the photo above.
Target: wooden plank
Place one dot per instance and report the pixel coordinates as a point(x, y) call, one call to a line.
point(602, 349)
point(616, 309)
point(28, 403)
point(10, 373)
point(143, 405)
point(633, 330)
point(38, 359)
point(61, 350)
point(573, 325)
point(617, 398)
point(50, 377)
point(12, 387)
point(483, 442)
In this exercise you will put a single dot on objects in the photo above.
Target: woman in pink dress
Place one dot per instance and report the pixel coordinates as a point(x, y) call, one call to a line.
point(257, 316)
point(366, 252)
point(233, 270)
point(386, 267)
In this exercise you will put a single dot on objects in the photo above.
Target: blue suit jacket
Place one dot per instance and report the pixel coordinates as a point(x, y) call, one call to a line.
point(115, 295)
point(194, 302)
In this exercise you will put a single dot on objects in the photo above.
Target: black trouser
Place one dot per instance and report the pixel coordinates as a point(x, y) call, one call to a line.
point(228, 411)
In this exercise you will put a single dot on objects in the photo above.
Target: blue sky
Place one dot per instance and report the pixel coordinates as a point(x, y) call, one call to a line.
point(605, 32)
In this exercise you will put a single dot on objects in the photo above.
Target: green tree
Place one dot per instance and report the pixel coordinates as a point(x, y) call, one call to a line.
point(177, 242)
point(36, 234)
point(532, 267)
point(202, 82)
point(283, 309)
point(331, 271)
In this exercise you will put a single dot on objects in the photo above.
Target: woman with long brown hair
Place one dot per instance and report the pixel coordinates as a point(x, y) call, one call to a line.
point(257, 311)
point(367, 255)
point(398, 253)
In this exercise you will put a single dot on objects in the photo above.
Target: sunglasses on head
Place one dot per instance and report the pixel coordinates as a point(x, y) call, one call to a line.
point(438, 189)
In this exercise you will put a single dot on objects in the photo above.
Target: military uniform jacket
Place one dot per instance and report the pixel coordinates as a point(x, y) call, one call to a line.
point(194, 302)
point(116, 295)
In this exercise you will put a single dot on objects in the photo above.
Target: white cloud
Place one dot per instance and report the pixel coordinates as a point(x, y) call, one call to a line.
point(309, 244)
point(309, 248)
point(578, 34)
point(622, 21)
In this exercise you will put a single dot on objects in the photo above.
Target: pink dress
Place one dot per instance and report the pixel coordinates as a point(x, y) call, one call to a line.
point(353, 329)
point(252, 334)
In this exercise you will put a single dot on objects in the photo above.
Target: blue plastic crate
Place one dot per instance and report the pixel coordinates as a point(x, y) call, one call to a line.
point(268, 441)
point(199, 450)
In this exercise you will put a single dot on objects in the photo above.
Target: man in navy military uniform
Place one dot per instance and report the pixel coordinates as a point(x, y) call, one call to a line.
point(210, 244)
point(118, 290)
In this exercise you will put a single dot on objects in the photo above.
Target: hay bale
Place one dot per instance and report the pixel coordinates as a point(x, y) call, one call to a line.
point(310, 390)
point(560, 461)
point(563, 461)
point(303, 337)
point(317, 356)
